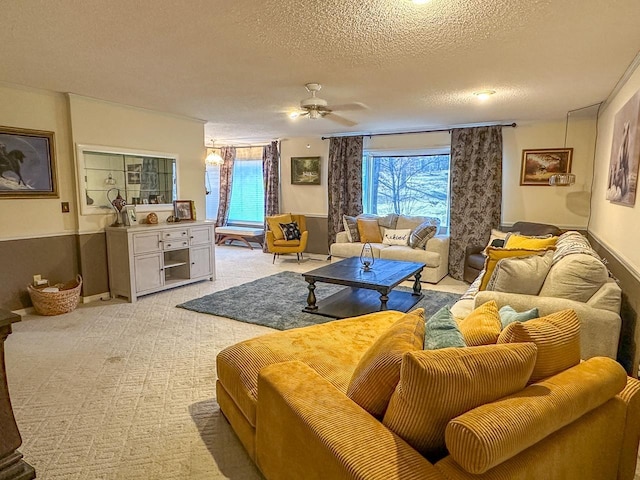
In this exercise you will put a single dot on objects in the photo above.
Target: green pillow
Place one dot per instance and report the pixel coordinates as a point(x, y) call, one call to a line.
point(509, 315)
point(441, 331)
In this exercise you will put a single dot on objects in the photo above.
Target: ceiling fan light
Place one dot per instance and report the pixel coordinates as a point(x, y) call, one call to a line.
point(314, 114)
point(420, 2)
point(294, 114)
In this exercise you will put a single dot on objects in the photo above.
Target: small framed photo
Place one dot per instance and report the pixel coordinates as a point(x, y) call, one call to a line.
point(305, 170)
point(27, 163)
point(183, 210)
point(129, 215)
point(538, 165)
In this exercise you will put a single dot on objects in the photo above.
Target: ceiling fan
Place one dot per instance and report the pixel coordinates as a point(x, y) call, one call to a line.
point(315, 107)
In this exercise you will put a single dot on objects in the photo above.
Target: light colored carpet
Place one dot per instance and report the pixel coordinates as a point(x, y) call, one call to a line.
point(127, 391)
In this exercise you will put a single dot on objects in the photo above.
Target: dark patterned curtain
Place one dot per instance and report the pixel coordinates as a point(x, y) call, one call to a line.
point(228, 154)
point(476, 190)
point(271, 175)
point(345, 181)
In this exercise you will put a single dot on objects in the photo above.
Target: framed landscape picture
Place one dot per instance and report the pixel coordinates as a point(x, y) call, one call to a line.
point(27, 163)
point(538, 165)
point(305, 170)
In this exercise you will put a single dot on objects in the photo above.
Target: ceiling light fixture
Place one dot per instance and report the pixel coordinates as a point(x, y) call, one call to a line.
point(213, 159)
point(420, 2)
point(484, 94)
point(294, 114)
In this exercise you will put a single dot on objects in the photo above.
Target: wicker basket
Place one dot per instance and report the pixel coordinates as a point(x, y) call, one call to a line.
point(55, 303)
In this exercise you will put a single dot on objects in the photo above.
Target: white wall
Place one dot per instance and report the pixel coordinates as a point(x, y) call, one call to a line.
point(96, 122)
point(566, 207)
point(39, 110)
point(616, 226)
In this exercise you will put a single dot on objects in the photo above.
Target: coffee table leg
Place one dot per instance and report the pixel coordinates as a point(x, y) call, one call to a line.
point(311, 298)
point(384, 298)
point(417, 286)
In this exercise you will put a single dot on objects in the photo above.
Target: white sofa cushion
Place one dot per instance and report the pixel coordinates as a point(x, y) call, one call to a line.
point(408, 254)
point(575, 277)
point(346, 250)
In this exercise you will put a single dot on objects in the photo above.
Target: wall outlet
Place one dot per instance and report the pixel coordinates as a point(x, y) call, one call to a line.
point(65, 207)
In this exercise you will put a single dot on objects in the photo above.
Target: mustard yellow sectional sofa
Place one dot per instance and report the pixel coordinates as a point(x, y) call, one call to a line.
point(303, 405)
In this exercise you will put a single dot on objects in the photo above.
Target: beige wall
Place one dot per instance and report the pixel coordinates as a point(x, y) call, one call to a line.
point(39, 110)
point(96, 122)
point(617, 227)
point(566, 207)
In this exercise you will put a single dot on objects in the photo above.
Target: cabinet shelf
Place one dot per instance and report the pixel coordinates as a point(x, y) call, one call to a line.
point(169, 264)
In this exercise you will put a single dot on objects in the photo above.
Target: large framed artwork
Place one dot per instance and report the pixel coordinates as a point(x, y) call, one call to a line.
point(305, 170)
point(625, 154)
point(538, 165)
point(27, 163)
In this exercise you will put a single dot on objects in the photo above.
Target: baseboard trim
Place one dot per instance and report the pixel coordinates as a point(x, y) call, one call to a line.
point(97, 297)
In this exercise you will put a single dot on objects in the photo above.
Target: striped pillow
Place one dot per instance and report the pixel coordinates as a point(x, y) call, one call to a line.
point(377, 374)
point(557, 337)
point(482, 326)
point(438, 385)
point(422, 233)
point(351, 227)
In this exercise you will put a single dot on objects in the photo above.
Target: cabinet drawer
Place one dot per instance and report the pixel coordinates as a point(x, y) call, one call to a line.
point(146, 242)
point(174, 234)
point(175, 244)
point(200, 235)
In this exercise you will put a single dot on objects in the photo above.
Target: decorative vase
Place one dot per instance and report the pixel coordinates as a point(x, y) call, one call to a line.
point(152, 218)
point(366, 257)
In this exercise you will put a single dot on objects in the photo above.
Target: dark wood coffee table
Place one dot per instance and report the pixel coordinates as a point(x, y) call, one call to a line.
point(370, 291)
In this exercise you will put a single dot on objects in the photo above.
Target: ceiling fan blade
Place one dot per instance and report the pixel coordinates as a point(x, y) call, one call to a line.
point(341, 120)
point(349, 107)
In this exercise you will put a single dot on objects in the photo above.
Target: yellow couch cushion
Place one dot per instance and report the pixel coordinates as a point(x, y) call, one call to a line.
point(369, 230)
point(490, 434)
point(333, 349)
point(274, 224)
point(557, 337)
point(531, 243)
point(438, 385)
point(494, 254)
point(378, 372)
point(482, 326)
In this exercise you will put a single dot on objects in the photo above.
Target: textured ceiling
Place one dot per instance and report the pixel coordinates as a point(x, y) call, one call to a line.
point(242, 64)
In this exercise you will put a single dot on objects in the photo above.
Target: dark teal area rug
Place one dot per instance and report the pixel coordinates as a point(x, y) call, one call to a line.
point(277, 301)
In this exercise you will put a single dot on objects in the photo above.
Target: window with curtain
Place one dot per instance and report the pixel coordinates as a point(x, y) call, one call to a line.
point(407, 183)
point(247, 191)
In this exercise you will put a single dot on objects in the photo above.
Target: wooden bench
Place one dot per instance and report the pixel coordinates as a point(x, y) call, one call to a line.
point(242, 234)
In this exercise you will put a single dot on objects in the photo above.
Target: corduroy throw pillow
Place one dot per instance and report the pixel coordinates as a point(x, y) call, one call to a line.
point(557, 337)
point(438, 385)
point(376, 375)
point(482, 326)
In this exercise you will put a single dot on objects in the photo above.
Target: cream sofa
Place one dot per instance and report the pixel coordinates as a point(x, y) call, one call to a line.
point(576, 280)
point(435, 254)
point(284, 395)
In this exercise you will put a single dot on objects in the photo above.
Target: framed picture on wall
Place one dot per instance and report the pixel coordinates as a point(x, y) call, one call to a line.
point(305, 170)
point(538, 165)
point(27, 163)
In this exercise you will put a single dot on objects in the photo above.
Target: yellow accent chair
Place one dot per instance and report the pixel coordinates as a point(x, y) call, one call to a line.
point(277, 244)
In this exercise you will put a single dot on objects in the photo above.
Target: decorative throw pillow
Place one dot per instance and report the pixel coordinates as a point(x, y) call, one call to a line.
point(421, 234)
point(441, 331)
point(388, 221)
point(531, 242)
point(482, 326)
point(509, 315)
point(274, 224)
point(369, 230)
point(524, 275)
point(351, 227)
point(495, 254)
point(497, 236)
point(396, 237)
point(290, 231)
point(378, 372)
point(557, 337)
point(438, 385)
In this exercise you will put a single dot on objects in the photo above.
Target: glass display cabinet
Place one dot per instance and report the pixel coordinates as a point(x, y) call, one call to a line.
point(143, 178)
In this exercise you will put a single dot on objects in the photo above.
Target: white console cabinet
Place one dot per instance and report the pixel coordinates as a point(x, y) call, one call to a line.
point(145, 259)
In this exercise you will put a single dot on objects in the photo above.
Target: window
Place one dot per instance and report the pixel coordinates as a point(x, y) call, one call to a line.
point(415, 184)
point(247, 189)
